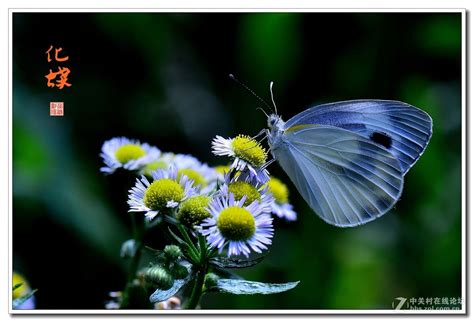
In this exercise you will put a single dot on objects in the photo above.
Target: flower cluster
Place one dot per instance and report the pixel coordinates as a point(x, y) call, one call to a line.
point(231, 205)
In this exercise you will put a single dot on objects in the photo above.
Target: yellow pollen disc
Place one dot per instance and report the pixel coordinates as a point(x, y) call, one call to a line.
point(221, 169)
point(193, 211)
point(129, 152)
point(249, 150)
point(279, 190)
point(193, 175)
point(153, 166)
point(241, 189)
point(236, 223)
point(161, 191)
point(23, 289)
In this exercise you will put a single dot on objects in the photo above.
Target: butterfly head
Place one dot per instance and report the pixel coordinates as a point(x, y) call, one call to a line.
point(275, 122)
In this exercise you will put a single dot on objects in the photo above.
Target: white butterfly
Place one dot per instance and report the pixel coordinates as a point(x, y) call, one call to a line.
point(348, 159)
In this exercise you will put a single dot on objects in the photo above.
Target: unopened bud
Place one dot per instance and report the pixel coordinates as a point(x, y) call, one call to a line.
point(159, 277)
point(179, 271)
point(173, 252)
point(211, 280)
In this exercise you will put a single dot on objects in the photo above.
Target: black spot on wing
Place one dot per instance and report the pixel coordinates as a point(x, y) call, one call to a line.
point(381, 138)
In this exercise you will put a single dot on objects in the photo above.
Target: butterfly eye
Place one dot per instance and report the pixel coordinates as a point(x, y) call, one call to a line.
point(271, 122)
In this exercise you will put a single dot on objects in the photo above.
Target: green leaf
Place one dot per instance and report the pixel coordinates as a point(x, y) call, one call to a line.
point(19, 301)
point(157, 255)
point(179, 240)
point(16, 286)
point(249, 287)
point(172, 220)
point(230, 263)
point(162, 295)
point(224, 273)
point(191, 255)
point(152, 250)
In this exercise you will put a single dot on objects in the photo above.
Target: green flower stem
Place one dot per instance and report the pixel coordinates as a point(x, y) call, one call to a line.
point(201, 274)
point(137, 232)
point(203, 249)
point(197, 289)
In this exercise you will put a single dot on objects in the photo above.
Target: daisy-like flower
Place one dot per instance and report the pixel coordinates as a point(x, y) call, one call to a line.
point(203, 176)
point(200, 173)
point(125, 153)
point(22, 290)
point(194, 210)
point(164, 192)
point(183, 161)
point(221, 171)
point(162, 161)
point(241, 229)
point(248, 155)
point(251, 190)
point(281, 207)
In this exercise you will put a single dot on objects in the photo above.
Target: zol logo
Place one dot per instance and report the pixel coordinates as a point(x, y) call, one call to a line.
point(400, 304)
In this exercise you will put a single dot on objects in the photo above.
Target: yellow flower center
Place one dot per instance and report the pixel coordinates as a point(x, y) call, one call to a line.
point(241, 189)
point(236, 223)
point(153, 166)
point(193, 175)
point(161, 191)
point(193, 211)
point(249, 150)
point(279, 190)
point(221, 169)
point(23, 289)
point(129, 152)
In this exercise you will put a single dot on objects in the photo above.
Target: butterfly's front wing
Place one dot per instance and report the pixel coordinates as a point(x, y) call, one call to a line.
point(347, 179)
point(401, 128)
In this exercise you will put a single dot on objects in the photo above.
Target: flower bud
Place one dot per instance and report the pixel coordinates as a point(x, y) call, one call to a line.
point(210, 280)
point(179, 271)
point(173, 252)
point(159, 277)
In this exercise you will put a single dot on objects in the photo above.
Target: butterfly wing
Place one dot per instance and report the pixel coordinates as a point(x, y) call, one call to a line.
point(347, 180)
point(402, 129)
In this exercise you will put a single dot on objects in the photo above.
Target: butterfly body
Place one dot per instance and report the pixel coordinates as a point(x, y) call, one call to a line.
point(348, 159)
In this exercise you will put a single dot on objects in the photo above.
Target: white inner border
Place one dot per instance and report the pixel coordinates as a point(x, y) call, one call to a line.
point(253, 312)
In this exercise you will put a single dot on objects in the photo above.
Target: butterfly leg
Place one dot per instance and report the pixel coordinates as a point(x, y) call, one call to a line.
point(259, 141)
point(259, 133)
point(266, 164)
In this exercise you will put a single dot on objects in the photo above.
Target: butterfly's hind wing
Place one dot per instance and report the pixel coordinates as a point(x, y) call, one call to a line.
point(347, 179)
point(402, 129)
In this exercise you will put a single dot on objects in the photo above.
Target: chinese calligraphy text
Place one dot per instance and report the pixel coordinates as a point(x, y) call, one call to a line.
point(59, 78)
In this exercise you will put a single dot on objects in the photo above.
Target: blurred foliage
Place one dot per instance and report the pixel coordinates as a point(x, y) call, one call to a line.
point(162, 78)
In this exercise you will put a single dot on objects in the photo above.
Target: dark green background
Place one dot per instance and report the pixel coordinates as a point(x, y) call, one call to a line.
point(162, 78)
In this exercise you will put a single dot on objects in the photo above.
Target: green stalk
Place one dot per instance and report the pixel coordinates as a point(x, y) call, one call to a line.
point(137, 233)
point(201, 274)
point(197, 289)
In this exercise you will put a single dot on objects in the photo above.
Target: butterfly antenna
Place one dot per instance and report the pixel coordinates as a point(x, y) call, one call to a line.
point(248, 89)
point(273, 100)
point(261, 109)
